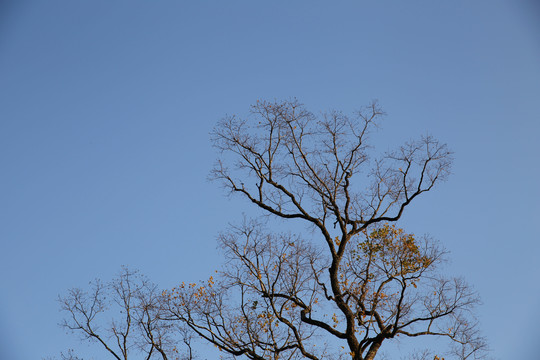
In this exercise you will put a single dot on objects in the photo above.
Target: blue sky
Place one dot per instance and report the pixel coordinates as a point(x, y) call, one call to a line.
point(106, 109)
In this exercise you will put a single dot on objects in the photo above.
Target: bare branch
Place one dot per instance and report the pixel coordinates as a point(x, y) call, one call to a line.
point(139, 331)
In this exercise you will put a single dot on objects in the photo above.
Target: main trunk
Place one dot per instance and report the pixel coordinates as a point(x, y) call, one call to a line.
point(373, 350)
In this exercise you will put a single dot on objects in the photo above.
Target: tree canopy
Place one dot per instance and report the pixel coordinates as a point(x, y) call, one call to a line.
point(347, 282)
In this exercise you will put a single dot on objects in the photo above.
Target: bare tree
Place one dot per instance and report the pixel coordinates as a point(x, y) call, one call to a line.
point(123, 316)
point(354, 283)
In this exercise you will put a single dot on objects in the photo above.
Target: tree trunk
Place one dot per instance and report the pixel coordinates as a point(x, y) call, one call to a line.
point(373, 350)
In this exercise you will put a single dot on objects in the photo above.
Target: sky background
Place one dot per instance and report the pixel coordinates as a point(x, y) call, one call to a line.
point(106, 108)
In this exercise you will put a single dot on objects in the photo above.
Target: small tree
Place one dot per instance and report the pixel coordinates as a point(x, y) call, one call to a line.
point(124, 317)
point(354, 283)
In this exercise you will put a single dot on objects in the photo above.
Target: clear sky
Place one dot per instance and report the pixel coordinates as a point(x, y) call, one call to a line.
point(106, 106)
